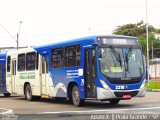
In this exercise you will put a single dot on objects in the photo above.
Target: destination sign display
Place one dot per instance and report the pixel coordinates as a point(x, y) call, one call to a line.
point(117, 41)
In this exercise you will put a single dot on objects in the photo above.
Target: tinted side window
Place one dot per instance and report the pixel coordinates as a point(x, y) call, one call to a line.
point(8, 63)
point(31, 61)
point(77, 47)
point(21, 62)
point(72, 56)
point(43, 66)
point(57, 58)
point(0, 70)
point(37, 61)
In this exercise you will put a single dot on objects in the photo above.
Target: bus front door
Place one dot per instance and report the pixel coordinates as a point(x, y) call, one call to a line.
point(13, 75)
point(90, 73)
point(44, 83)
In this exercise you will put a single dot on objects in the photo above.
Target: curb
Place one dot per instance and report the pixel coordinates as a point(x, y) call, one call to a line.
point(153, 90)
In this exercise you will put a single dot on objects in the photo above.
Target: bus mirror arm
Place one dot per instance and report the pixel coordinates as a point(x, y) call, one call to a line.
point(95, 44)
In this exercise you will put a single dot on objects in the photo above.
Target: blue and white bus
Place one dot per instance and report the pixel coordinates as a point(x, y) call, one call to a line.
point(3, 75)
point(107, 68)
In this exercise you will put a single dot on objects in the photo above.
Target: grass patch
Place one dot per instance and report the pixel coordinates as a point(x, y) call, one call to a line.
point(153, 85)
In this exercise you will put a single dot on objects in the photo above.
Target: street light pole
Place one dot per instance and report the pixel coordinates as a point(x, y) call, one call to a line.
point(147, 41)
point(18, 34)
point(152, 49)
point(17, 40)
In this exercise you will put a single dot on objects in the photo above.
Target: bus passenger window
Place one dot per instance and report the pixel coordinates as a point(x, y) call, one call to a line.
point(0, 70)
point(72, 57)
point(43, 66)
point(37, 61)
point(8, 63)
point(21, 62)
point(77, 55)
point(47, 64)
point(53, 58)
point(31, 61)
point(57, 58)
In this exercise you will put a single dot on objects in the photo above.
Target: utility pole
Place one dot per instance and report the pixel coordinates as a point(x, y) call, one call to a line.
point(18, 34)
point(17, 41)
point(147, 41)
point(152, 49)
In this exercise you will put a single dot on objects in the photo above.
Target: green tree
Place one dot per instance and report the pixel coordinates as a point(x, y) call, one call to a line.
point(139, 30)
point(142, 40)
point(158, 31)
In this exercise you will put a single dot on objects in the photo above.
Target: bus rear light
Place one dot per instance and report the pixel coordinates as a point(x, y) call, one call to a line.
point(127, 96)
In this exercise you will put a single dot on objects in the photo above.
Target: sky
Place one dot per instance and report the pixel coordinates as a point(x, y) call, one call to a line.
point(50, 21)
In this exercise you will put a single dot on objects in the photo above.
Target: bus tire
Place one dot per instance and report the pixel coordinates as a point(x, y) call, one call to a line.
point(6, 94)
point(114, 101)
point(77, 101)
point(28, 93)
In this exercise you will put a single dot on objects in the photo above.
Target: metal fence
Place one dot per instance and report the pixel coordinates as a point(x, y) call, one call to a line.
point(154, 75)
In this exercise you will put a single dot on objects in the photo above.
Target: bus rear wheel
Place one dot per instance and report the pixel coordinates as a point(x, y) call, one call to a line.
point(114, 101)
point(6, 94)
point(77, 101)
point(28, 93)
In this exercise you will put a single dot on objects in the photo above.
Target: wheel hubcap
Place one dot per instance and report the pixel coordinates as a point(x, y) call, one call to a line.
point(28, 93)
point(75, 96)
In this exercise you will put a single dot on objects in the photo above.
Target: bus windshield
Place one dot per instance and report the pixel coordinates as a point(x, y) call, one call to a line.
point(121, 62)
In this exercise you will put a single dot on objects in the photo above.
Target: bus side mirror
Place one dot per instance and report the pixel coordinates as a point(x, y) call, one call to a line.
point(99, 51)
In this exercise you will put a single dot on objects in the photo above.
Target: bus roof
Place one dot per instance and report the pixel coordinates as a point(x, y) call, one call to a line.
point(81, 40)
point(69, 42)
point(44, 49)
point(91, 39)
point(19, 51)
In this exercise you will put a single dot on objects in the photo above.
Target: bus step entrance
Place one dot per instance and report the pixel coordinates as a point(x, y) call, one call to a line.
point(44, 96)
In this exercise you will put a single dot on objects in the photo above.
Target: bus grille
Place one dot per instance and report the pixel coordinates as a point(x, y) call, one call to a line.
point(120, 94)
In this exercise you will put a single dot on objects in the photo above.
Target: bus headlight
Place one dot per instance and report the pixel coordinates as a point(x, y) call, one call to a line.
point(104, 84)
point(143, 84)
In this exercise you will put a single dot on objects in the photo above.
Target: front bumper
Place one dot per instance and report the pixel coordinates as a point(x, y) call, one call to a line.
point(103, 94)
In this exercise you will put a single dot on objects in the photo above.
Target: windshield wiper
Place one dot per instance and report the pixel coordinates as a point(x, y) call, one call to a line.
point(117, 55)
point(127, 58)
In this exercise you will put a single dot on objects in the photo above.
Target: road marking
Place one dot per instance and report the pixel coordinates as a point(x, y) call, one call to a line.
point(91, 111)
point(5, 111)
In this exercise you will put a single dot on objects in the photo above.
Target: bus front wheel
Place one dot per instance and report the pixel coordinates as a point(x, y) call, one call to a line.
point(114, 101)
point(76, 97)
point(28, 93)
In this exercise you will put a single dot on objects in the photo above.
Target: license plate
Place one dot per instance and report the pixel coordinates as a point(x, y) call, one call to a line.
point(127, 96)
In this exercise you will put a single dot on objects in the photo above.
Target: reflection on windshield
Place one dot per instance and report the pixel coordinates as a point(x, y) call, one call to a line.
point(128, 64)
point(117, 55)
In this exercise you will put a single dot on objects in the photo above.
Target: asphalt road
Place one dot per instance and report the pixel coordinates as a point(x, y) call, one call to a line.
point(148, 106)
